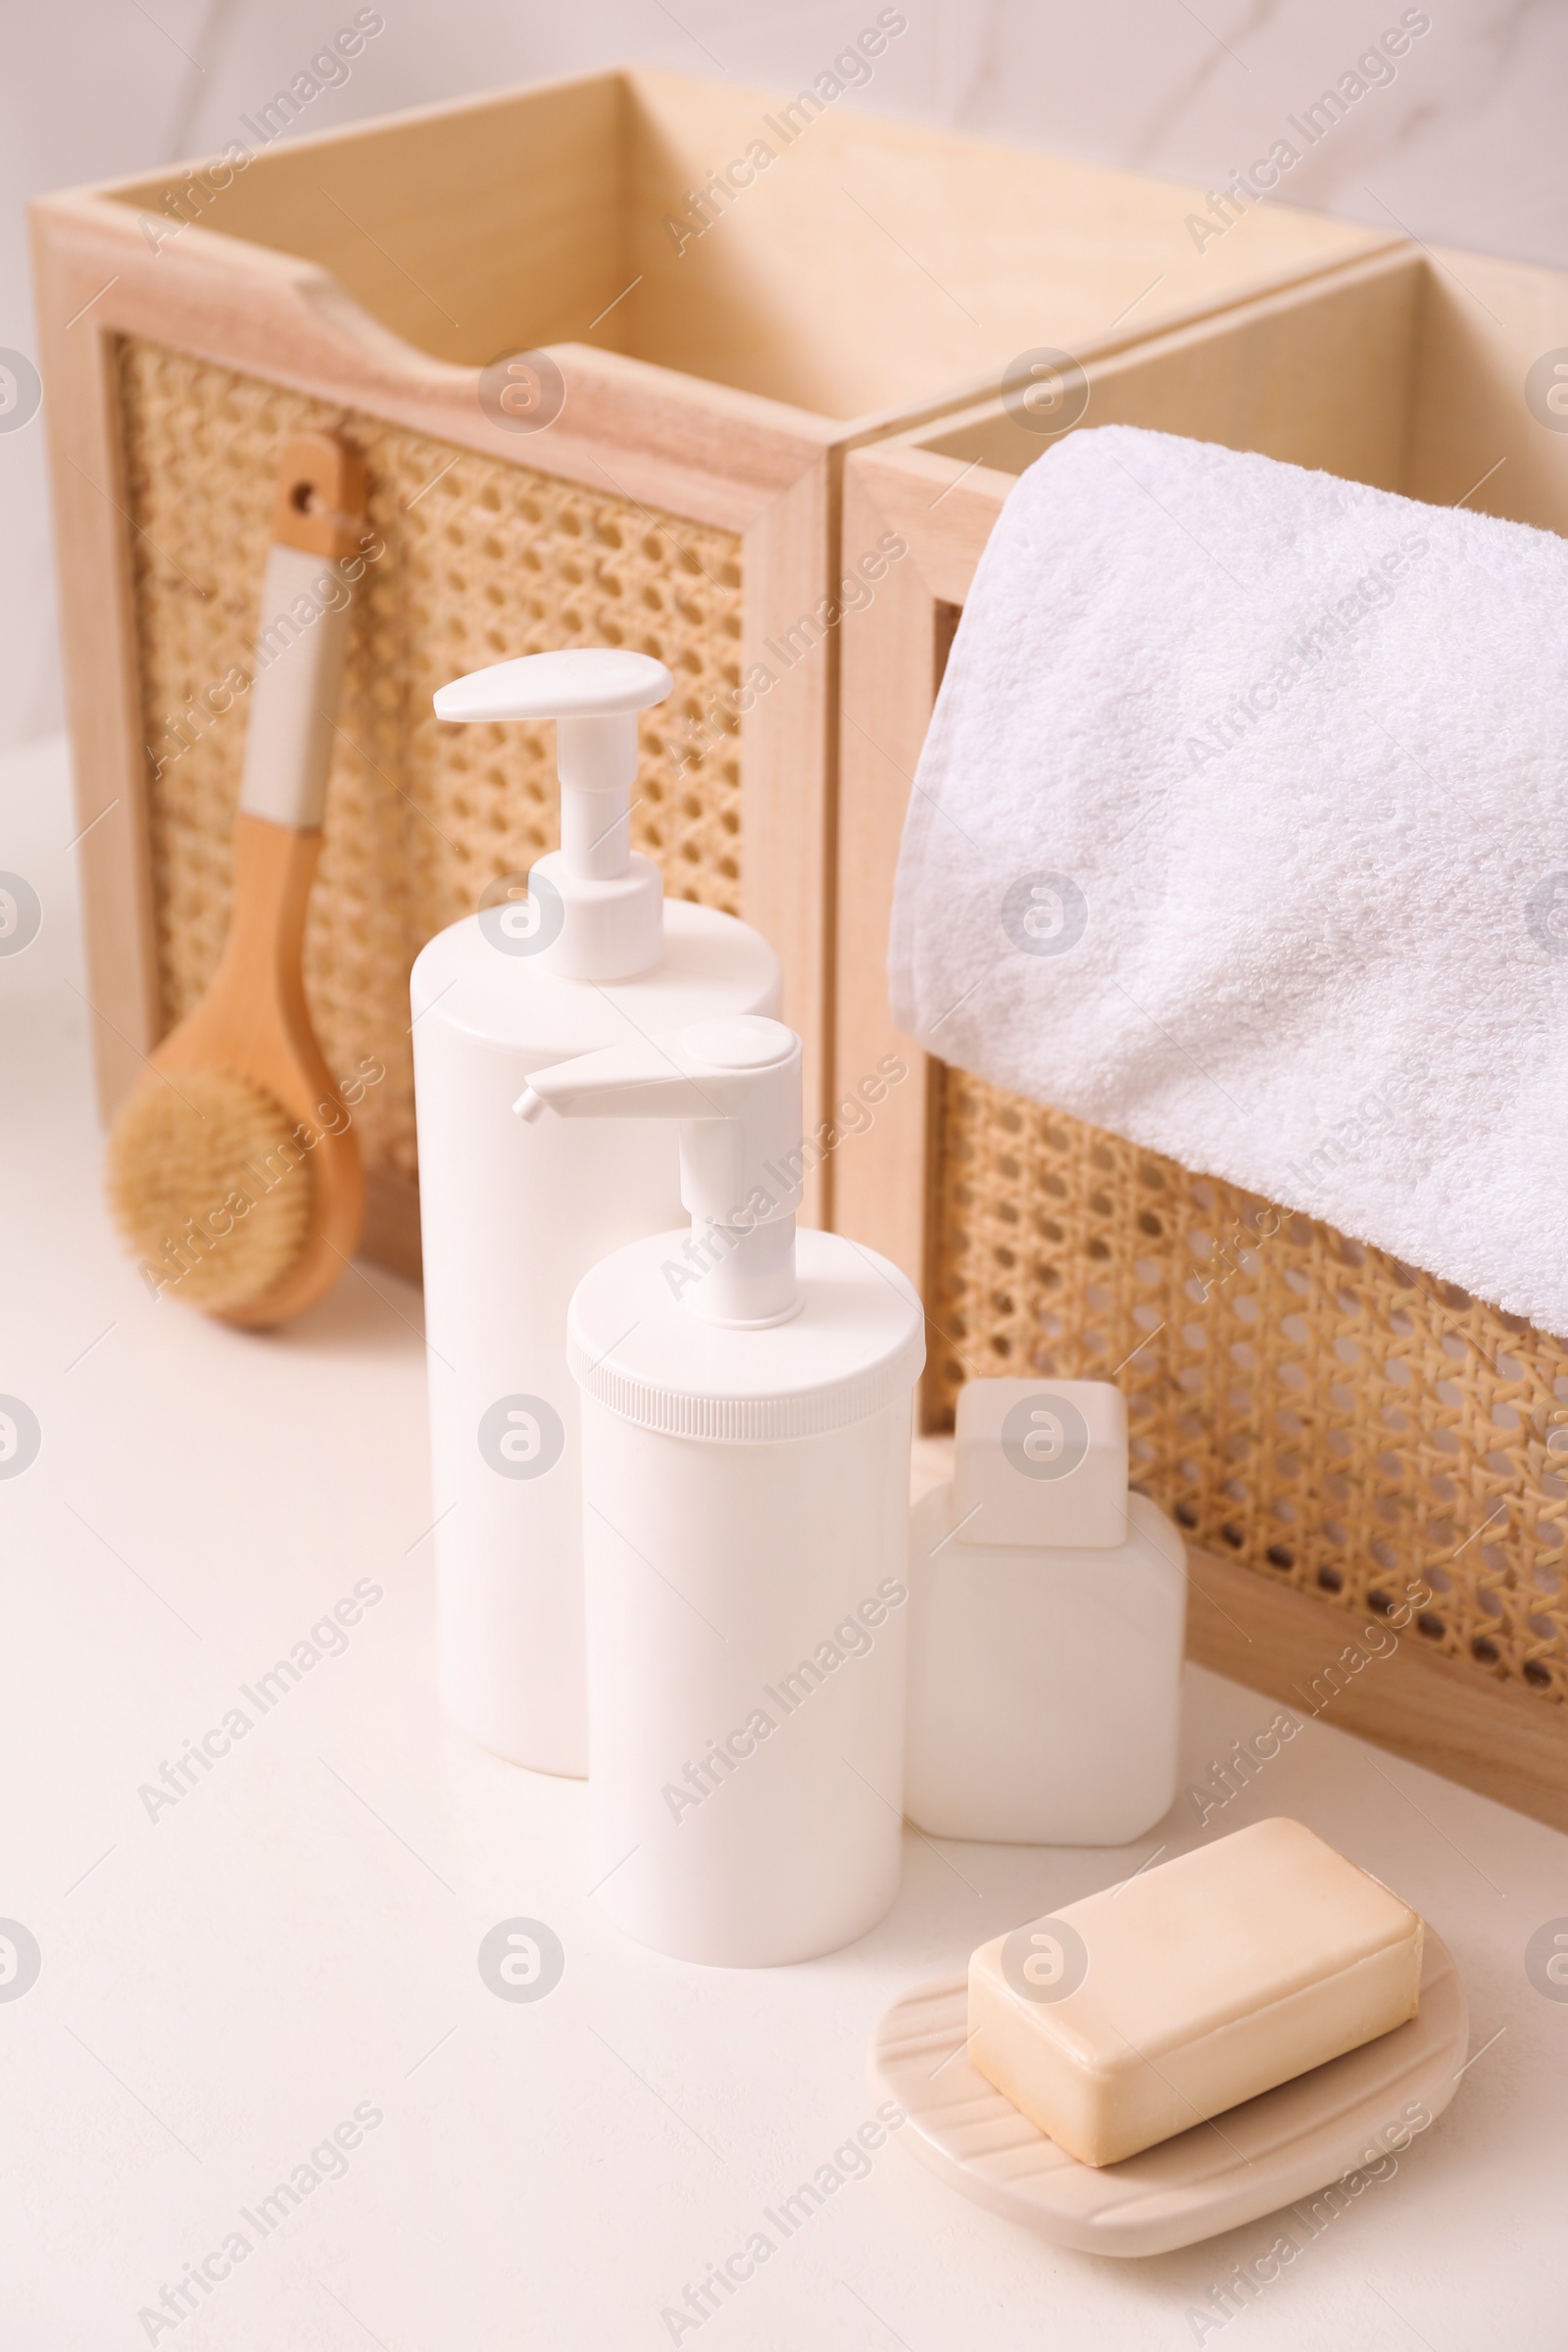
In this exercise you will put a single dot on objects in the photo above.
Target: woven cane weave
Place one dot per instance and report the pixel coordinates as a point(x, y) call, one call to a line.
point(1309, 1407)
point(482, 561)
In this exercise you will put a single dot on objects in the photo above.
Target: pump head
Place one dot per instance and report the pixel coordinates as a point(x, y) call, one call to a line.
point(613, 898)
point(735, 1086)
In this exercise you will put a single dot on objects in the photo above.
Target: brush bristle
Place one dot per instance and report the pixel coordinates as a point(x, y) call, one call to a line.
point(210, 1186)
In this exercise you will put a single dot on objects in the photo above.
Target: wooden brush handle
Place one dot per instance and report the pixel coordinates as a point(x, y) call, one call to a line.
point(261, 966)
point(317, 520)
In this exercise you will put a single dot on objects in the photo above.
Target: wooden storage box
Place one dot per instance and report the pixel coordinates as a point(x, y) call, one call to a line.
point(1372, 1467)
point(729, 290)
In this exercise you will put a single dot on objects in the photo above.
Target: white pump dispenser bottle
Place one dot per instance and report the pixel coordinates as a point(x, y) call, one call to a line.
point(513, 1216)
point(745, 1405)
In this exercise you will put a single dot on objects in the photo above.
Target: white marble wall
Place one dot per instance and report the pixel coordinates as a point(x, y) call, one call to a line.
point(1463, 146)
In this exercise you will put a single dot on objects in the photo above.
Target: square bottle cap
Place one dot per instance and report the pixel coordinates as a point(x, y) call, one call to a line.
point(1042, 1462)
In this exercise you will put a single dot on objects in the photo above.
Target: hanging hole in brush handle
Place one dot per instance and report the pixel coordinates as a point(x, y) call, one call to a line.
point(318, 505)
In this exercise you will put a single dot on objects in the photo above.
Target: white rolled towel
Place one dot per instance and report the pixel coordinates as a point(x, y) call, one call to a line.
point(1241, 829)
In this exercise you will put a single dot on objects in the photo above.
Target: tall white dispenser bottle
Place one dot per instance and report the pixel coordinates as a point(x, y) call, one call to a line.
point(745, 1405)
point(592, 957)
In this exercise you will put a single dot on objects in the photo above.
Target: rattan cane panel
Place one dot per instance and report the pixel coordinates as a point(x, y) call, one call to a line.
point(482, 561)
point(1307, 1406)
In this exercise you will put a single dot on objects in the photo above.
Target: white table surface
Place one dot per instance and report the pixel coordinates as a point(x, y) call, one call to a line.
point(297, 1936)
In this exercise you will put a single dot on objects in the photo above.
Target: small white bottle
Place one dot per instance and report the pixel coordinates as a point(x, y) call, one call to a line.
point(745, 1405)
point(513, 1215)
point(1044, 1675)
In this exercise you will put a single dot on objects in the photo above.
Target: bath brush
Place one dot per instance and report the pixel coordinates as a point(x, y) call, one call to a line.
point(233, 1170)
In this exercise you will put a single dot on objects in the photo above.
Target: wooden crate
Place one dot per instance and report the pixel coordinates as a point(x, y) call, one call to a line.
point(1358, 1451)
point(726, 328)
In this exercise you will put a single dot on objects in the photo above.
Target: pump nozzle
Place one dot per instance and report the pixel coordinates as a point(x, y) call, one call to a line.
point(735, 1086)
point(613, 900)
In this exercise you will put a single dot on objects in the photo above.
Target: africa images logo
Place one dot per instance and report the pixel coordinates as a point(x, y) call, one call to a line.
point(1044, 913)
point(1044, 1960)
point(1547, 914)
point(521, 1437)
point(1045, 1436)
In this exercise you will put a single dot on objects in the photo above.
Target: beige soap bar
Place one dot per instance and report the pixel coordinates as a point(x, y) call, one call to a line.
point(1137, 2013)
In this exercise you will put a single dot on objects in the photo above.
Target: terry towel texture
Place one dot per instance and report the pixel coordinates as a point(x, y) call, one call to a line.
point(1241, 829)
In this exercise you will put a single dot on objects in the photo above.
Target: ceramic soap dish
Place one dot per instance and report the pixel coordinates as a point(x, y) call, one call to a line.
point(1252, 2160)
